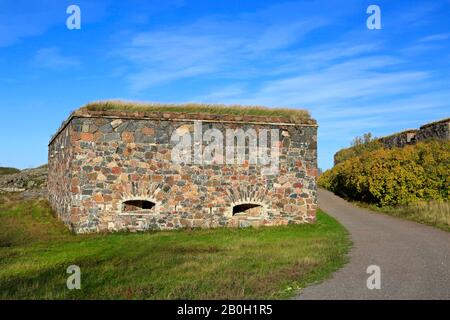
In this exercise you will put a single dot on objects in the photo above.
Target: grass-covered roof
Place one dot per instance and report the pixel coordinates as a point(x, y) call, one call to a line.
point(198, 108)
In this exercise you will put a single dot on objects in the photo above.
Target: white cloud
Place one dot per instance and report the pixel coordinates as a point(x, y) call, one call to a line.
point(338, 84)
point(53, 59)
point(222, 93)
point(212, 45)
point(413, 104)
point(435, 37)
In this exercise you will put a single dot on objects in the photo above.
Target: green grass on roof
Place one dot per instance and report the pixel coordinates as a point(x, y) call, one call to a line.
point(237, 110)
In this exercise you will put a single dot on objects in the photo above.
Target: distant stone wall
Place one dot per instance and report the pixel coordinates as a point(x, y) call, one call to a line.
point(399, 139)
point(435, 130)
point(113, 171)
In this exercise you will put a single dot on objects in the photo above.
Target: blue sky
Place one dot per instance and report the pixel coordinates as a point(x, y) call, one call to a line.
point(317, 55)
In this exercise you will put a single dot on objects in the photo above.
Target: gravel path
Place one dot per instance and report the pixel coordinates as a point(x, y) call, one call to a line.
point(414, 259)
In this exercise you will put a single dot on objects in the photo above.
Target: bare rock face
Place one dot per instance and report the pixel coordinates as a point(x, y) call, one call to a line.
point(31, 182)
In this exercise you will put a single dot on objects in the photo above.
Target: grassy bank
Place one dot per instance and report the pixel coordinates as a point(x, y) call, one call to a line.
point(273, 262)
point(432, 213)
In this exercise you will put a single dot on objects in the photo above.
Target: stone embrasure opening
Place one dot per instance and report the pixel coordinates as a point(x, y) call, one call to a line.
point(250, 209)
point(133, 206)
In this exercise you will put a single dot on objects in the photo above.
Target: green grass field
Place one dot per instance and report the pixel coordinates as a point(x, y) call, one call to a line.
point(270, 262)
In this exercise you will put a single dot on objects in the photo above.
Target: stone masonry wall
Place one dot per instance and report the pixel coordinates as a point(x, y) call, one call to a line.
point(59, 175)
point(109, 159)
point(399, 140)
point(436, 130)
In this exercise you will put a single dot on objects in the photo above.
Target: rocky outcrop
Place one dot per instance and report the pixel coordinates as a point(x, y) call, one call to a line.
point(31, 182)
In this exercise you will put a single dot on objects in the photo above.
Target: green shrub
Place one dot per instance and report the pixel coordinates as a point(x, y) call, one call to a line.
point(397, 176)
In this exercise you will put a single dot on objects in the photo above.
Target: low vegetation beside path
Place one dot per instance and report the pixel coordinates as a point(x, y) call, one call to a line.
point(433, 213)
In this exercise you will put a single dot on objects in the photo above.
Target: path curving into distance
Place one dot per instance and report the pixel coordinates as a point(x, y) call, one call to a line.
point(414, 259)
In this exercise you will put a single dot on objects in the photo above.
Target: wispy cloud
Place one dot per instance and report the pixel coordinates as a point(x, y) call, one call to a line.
point(53, 59)
point(338, 84)
point(20, 19)
point(417, 15)
point(210, 45)
point(435, 37)
point(223, 93)
point(413, 104)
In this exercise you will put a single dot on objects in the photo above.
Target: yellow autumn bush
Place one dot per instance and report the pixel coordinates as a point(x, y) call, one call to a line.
point(397, 176)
